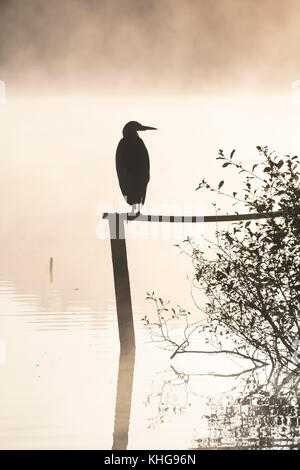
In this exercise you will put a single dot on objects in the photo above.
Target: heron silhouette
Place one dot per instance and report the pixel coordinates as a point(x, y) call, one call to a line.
point(133, 165)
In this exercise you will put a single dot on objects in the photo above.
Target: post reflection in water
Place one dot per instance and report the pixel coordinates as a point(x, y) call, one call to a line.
point(123, 402)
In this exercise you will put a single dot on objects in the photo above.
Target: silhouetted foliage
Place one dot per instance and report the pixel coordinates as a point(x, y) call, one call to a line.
point(253, 282)
point(251, 278)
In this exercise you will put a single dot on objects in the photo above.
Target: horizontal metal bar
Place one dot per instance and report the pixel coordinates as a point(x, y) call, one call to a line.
point(190, 219)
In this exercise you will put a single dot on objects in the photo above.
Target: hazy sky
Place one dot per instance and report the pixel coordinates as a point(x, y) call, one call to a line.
point(170, 45)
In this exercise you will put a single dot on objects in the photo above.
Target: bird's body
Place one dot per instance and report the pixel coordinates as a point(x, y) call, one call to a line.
point(133, 169)
point(132, 164)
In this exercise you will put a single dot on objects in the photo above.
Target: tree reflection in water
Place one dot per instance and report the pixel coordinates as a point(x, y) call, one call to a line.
point(260, 417)
point(255, 414)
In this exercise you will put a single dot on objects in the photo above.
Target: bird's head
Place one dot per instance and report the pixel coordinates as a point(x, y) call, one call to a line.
point(132, 128)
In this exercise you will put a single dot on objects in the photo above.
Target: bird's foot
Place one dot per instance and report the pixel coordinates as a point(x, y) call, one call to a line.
point(133, 215)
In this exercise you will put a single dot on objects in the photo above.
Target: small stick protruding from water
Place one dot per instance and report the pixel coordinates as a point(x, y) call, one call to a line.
point(51, 270)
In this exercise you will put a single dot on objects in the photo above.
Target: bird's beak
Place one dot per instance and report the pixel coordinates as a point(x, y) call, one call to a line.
point(147, 128)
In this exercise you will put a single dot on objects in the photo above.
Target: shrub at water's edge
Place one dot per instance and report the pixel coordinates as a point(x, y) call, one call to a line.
point(251, 273)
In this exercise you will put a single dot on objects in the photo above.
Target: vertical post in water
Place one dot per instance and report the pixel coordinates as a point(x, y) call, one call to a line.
point(121, 281)
point(51, 270)
point(126, 330)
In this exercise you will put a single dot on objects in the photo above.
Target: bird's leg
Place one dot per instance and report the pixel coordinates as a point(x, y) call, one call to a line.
point(137, 209)
point(133, 209)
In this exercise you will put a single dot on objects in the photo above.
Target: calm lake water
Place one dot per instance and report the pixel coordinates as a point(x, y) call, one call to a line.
point(59, 341)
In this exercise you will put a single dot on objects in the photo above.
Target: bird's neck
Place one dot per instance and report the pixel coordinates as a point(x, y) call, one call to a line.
point(130, 135)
